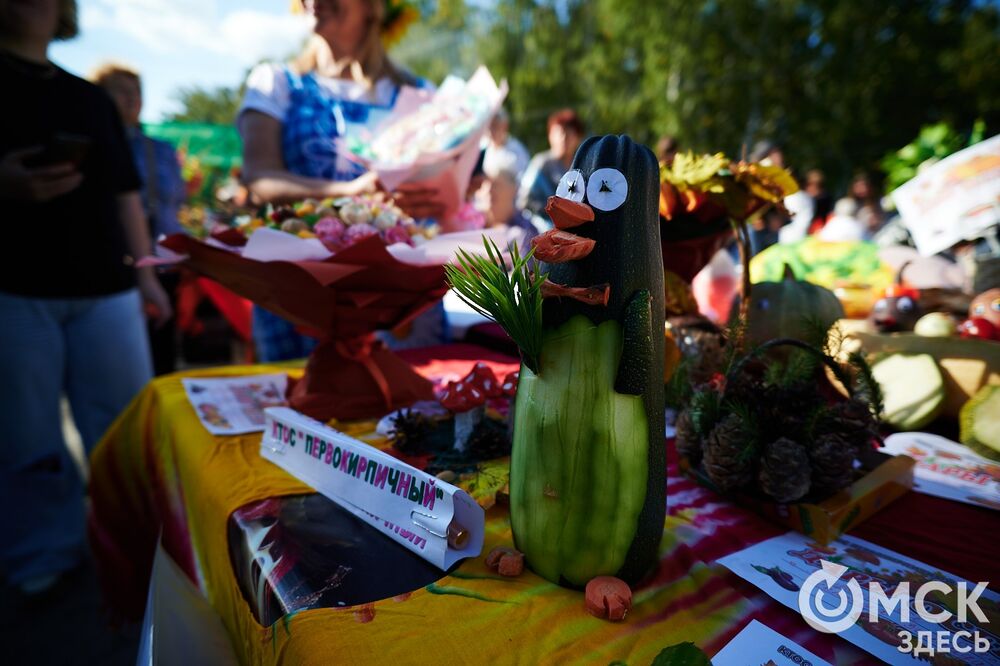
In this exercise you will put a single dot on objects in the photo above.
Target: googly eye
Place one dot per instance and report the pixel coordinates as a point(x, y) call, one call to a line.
point(995, 305)
point(979, 309)
point(607, 189)
point(905, 304)
point(572, 186)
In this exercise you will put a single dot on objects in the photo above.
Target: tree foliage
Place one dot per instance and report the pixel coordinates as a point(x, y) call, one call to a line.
point(837, 83)
point(208, 105)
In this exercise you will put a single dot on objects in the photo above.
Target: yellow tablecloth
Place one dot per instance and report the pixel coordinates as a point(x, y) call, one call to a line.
point(158, 468)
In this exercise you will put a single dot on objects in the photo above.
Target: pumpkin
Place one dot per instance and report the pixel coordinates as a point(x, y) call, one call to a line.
point(789, 309)
point(966, 364)
point(587, 468)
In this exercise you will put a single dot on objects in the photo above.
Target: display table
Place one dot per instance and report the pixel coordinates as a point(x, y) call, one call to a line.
point(159, 474)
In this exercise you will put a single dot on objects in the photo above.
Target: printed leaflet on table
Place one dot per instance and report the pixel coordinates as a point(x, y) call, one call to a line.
point(835, 583)
point(948, 469)
point(759, 644)
point(234, 405)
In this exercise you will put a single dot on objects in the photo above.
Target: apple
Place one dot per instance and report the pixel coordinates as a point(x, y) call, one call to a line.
point(935, 325)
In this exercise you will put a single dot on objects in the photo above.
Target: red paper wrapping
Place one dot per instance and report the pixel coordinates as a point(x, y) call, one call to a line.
point(689, 243)
point(344, 298)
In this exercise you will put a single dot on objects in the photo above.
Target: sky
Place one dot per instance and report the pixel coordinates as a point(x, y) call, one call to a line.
point(179, 43)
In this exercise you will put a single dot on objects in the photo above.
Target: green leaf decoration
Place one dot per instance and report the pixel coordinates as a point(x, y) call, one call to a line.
point(682, 654)
point(513, 300)
point(867, 388)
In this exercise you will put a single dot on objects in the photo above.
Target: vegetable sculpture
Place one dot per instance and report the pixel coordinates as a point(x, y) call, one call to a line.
point(587, 469)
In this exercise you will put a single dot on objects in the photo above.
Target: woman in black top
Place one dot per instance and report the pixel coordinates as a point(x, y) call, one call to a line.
point(71, 301)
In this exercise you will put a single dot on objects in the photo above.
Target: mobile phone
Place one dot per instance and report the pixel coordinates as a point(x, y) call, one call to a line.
point(61, 148)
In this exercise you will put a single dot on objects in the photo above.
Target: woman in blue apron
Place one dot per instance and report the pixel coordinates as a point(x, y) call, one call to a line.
point(343, 84)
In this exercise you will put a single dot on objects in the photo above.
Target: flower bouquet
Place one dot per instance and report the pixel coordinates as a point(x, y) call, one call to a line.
point(340, 222)
point(342, 297)
point(431, 138)
point(703, 198)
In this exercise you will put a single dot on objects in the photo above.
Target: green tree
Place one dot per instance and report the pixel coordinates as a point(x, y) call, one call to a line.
point(208, 105)
point(838, 84)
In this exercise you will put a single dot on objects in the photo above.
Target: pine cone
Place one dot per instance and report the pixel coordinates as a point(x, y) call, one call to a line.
point(784, 470)
point(489, 440)
point(687, 440)
point(726, 459)
point(853, 420)
point(411, 432)
point(703, 343)
point(832, 457)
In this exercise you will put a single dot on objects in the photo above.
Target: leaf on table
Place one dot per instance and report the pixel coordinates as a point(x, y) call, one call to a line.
point(484, 484)
point(682, 654)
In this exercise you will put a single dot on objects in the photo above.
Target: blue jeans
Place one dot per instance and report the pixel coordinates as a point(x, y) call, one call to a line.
point(276, 339)
point(96, 352)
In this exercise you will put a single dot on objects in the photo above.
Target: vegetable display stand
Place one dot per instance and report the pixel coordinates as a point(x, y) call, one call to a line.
point(888, 479)
point(345, 299)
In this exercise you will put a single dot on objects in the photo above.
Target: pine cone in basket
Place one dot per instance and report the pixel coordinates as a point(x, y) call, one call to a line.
point(852, 419)
point(687, 440)
point(727, 458)
point(703, 343)
point(785, 473)
point(832, 456)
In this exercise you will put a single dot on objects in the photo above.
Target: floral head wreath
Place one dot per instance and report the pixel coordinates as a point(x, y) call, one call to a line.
point(399, 16)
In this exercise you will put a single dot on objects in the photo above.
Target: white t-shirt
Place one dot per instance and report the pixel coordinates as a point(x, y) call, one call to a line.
point(801, 206)
point(512, 156)
point(267, 91)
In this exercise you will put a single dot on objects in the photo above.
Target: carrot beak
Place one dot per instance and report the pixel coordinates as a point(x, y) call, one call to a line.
point(567, 214)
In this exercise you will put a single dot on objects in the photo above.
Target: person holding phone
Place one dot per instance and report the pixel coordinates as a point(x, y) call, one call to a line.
point(71, 298)
point(342, 83)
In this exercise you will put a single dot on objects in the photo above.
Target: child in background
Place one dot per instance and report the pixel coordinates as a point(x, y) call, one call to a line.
point(498, 201)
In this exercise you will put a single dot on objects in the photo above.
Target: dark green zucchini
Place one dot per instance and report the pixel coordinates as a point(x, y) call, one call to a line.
point(588, 466)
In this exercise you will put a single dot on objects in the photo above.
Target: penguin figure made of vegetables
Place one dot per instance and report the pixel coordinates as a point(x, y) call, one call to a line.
point(588, 463)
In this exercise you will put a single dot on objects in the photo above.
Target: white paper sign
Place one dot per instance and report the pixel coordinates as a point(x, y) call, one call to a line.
point(948, 469)
point(267, 244)
point(953, 200)
point(411, 507)
point(788, 564)
point(234, 405)
point(760, 644)
point(443, 248)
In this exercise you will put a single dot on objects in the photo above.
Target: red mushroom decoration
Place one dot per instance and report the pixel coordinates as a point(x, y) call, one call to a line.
point(467, 400)
point(509, 386)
